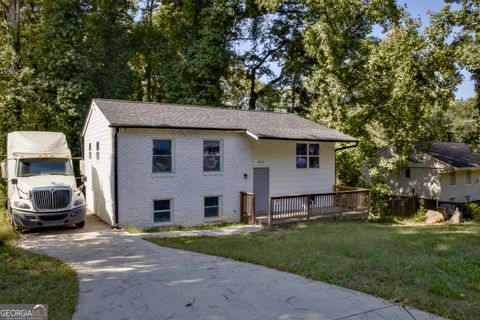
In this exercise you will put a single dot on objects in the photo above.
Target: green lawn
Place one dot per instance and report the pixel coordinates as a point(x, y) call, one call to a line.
point(436, 268)
point(34, 279)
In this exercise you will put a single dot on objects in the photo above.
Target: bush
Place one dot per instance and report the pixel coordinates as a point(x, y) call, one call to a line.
point(470, 211)
point(421, 214)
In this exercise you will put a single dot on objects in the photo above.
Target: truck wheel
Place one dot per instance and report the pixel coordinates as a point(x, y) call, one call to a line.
point(80, 224)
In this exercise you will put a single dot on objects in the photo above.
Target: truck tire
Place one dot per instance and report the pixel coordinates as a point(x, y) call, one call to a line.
point(80, 224)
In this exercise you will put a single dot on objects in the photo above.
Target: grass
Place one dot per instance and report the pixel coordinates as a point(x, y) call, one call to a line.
point(205, 226)
point(434, 268)
point(31, 278)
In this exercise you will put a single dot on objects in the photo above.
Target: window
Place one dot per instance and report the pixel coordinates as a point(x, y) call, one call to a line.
point(453, 178)
point(211, 207)
point(162, 156)
point(90, 150)
point(406, 173)
point(469, 177)
point(212, 156)
point(308, 155)
point(161, 211)
point(41, 167)
point(98, 150)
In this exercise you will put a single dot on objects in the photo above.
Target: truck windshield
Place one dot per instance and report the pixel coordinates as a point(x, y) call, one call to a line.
point(38, 167)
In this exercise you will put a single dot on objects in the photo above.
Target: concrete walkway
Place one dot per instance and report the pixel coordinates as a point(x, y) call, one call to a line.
point(124, 277)
point(193, 233)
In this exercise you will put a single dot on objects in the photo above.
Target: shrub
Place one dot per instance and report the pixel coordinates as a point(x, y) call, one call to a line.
point(470, 211)
point(421, 214)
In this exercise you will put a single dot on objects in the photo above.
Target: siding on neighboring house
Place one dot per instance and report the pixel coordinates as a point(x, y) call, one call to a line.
point(285, 178)
point(99, 186)
point(187, 186)
point(461, 188)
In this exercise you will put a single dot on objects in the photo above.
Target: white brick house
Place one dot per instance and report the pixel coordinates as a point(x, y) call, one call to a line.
point(163, 164)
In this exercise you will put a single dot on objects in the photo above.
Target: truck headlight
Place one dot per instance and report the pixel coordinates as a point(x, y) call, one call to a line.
point(78, 202)
point(21, 205)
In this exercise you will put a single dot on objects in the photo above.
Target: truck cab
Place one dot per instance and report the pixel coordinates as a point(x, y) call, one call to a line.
point(42, 189)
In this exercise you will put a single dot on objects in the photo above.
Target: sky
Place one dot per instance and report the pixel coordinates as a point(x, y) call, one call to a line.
point(419, 9)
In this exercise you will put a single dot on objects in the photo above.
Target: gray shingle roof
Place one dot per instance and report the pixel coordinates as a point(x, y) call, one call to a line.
point(264, 125)
point(455, 154)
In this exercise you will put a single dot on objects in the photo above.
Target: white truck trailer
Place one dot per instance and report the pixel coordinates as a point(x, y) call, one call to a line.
point(42, 190)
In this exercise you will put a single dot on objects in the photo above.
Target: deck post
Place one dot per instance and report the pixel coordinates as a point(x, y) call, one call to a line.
point(242, 208)
point(253, 209)
point(369, 201)
point(270, 211)
point(309, 206)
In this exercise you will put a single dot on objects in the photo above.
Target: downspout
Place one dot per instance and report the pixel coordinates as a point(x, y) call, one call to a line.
point(338, 149)
point(115, 176)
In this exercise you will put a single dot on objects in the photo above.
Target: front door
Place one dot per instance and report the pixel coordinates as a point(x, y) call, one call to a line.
point(261, 188)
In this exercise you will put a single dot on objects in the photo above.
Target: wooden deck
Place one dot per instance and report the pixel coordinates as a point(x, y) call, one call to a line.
point(345, 203)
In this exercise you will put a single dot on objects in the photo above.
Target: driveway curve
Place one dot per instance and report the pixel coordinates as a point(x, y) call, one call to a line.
point(122, 276)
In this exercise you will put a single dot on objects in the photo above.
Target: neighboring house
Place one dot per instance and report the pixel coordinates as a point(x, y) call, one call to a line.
point(444, 172)
point(151, 164)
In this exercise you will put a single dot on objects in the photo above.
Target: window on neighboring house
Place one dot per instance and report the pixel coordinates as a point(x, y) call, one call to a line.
point(98, 151)
point(90, 150)
point(162, 156)
point(212, 158)
point(453, 178)
point(161, 211)
point(211, 207)
point(468, 197)
point(406, 173)
point(307, 155)
point(469, 176)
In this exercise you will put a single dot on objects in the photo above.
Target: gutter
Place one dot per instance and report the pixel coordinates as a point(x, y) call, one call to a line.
point(347, 147)
point(115, 177)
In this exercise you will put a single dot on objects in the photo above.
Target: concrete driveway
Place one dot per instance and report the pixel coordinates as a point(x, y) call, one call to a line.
point(122, 276)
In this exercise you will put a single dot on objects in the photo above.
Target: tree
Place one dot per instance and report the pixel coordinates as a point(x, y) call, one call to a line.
point(459, 20)
point(381, 90)
point(108, 25)
point(197, 52)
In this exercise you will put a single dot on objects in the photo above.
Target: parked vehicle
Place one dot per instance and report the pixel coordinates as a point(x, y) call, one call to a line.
point(42, 189)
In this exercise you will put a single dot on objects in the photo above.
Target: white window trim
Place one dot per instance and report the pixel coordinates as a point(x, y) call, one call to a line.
point(213, 173)
point(454, 178)
point(471, 177)
point(220, 206)
point(174, 151)
point(308, 155)
point(164, 223)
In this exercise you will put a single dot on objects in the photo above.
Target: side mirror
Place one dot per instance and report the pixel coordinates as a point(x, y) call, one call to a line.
point(3, 168)
point(82, 167)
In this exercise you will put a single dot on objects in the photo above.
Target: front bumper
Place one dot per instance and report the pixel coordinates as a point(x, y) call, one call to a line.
point(27, 219)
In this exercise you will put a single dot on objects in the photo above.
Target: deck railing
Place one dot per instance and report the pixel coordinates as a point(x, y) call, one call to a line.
point(310, 206)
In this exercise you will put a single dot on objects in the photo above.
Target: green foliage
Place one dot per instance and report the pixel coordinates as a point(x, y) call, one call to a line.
point(421, 214)
point(470, 211)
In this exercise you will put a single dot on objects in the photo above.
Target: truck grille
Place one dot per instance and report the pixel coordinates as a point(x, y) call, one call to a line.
point(45, 199)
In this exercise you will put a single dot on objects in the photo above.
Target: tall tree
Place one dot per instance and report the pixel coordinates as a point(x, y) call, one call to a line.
point(63, 66)
point(381, 90)
point(109, 24)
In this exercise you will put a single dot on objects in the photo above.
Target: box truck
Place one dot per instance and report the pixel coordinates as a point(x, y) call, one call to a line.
point(42, 189)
